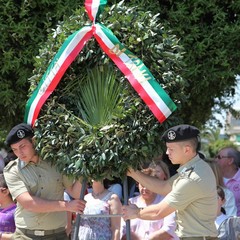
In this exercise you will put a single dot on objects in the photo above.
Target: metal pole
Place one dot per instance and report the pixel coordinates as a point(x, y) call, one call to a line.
point(76, 227)
point(125, 200)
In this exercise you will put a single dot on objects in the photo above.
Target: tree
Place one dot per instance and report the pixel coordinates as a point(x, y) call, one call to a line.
point(24, 27)
point(214, 147)
point(209, 34)
point(212, 141)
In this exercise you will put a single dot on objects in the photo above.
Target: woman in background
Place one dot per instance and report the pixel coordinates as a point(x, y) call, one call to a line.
point(221, 213)
point(8, 206)
point(151, 229)
point(100, 202)
point(230, 204)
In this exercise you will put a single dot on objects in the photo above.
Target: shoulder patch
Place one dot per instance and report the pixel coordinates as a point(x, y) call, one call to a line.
point(10, 165)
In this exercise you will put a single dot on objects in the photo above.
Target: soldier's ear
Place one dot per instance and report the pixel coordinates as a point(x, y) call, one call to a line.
point(187, 148)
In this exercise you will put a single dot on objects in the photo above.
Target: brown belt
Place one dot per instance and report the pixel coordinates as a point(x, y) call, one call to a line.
point(41, 232)
point(198, 238)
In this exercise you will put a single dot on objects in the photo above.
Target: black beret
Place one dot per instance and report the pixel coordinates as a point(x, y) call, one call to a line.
point(19, 132)
point(180, 133)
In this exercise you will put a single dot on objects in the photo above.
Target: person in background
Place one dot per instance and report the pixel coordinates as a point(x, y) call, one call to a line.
point(115, 186)
point(221, 213)
point(100, 202)
point(5, 160)
point(8, 206)
point(228, 159)
point(156, 229)
point(159, 169)
point(191, 193)
point(172, 167)
point(10, 156)
point(2, 163)
point(38, 188)
point(70, 216)
point(229, 204)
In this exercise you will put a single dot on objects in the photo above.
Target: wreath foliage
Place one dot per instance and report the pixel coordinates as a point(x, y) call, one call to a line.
point(97, 137)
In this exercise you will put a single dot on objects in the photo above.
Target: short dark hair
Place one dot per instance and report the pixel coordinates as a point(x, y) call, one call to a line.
point(221, 194)
point(10, 156)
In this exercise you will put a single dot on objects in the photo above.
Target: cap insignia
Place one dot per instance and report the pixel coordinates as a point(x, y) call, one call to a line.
point(20, 134)
point(171, 135)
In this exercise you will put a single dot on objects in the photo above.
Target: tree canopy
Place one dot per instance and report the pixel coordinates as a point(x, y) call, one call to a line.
point(209, 33)
point(24, 26)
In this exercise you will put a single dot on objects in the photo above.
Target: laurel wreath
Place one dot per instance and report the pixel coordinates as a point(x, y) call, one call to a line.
point(101, 139)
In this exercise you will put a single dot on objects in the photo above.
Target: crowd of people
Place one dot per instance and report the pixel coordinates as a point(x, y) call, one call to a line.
point(192, 201)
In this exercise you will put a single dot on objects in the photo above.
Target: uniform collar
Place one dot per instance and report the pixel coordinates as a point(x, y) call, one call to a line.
point(189, 165)
point(23, 164)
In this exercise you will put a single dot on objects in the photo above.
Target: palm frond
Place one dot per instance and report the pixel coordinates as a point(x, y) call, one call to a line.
point(99, 99)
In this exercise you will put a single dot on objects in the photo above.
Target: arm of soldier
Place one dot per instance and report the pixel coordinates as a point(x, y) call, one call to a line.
point(162, 187)
point(20, 193)
point(152, 212)
point(36, 204)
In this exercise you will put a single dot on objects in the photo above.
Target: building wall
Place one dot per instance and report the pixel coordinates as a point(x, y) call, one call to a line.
point(233, 129)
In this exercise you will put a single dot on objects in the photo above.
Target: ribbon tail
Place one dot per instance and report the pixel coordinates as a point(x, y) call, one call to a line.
point(65, 56)
point(136, 72)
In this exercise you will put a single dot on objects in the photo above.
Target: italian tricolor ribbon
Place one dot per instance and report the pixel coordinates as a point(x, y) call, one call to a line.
point(130, 65)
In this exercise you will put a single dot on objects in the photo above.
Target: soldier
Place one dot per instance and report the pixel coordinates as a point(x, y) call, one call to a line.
point(38, 188)
point(191, 193)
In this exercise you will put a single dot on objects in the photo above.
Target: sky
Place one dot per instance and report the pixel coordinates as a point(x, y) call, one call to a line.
point(236, 105)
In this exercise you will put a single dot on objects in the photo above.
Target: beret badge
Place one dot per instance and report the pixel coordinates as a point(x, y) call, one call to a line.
point(171, 135)
point(21, 134)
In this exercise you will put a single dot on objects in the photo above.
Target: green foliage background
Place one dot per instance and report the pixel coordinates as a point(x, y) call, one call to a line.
point(213, 148)
point(209, 34)
point(134, 136)
point(24, 26)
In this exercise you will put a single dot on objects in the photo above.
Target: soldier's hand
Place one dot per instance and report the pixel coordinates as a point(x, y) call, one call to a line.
point(76, 205)
point(130, 172)
point(130, 211)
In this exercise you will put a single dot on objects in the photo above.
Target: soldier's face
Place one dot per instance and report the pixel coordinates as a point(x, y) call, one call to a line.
point(24, 150)
point(175, 152)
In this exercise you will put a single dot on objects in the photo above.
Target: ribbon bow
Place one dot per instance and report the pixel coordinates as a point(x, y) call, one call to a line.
point(130, 65)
